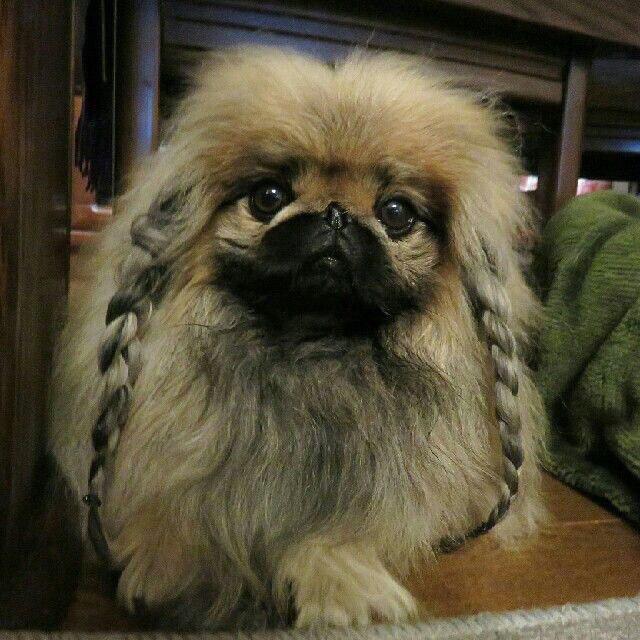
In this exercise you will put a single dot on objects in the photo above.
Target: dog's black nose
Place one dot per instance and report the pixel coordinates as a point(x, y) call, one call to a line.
point(336, 216)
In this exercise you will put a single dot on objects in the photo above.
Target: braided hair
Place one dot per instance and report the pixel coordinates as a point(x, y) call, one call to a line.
point(488, 292)
point(141, 278)
point(486, 288)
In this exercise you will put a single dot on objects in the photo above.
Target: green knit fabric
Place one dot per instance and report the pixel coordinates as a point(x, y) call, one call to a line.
point(589, 358)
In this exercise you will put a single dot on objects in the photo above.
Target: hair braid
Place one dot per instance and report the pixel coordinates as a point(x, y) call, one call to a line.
point(488, 292)
point(141, 277)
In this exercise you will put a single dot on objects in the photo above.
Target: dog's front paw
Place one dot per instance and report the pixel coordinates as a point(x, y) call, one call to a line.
point(156, 567)
point(144, 583)
point(347, 605)
point(345, 586)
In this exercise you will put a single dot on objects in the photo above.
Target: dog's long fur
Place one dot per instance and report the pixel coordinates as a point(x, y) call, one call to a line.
point(256, 470)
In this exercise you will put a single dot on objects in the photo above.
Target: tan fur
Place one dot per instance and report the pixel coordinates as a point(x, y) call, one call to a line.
point(173, 527)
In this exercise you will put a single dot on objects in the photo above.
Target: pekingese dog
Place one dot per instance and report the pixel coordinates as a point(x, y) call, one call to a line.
point(311, 374)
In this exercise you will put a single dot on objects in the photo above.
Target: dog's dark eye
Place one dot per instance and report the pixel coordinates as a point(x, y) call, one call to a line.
point(397, 215)
point(267, 198)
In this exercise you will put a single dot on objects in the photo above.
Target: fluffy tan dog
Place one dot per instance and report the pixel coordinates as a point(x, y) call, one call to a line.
point(310, 376)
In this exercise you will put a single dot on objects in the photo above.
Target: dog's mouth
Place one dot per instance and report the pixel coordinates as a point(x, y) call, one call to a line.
point(331, 263)
point(305, 272)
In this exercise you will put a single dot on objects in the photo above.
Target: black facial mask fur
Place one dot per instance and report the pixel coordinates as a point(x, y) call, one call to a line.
point(318, 272)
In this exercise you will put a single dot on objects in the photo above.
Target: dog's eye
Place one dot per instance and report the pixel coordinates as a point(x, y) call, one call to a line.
point(267, 198)
point(397, 215)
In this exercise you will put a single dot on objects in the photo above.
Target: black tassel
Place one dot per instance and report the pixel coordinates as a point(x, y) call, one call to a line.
point(94, 133)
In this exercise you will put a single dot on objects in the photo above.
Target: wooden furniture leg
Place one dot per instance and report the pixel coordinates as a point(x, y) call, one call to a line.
point(559, 167)
point(137, 80)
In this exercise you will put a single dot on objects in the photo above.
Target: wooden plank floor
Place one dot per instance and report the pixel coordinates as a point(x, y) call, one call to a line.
point(585, 553)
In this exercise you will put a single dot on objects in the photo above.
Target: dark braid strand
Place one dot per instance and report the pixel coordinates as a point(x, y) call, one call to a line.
point(141, 277)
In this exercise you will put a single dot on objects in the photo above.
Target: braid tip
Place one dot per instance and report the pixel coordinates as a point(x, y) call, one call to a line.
point(92, 500)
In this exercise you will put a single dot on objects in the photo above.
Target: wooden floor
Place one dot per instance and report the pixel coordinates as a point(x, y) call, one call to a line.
point(585, 554)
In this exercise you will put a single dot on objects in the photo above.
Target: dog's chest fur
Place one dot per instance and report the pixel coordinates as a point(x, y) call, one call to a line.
point(316, 428)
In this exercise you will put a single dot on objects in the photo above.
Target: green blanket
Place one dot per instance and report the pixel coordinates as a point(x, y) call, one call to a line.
point(589, 358)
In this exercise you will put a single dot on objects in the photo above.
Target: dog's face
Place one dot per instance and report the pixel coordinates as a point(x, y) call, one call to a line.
point(346, 240)
point(338, 188)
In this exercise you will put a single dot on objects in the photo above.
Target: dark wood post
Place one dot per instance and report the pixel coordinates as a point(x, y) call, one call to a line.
point(559, 167)
point(571, 132)
point(137, 77)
